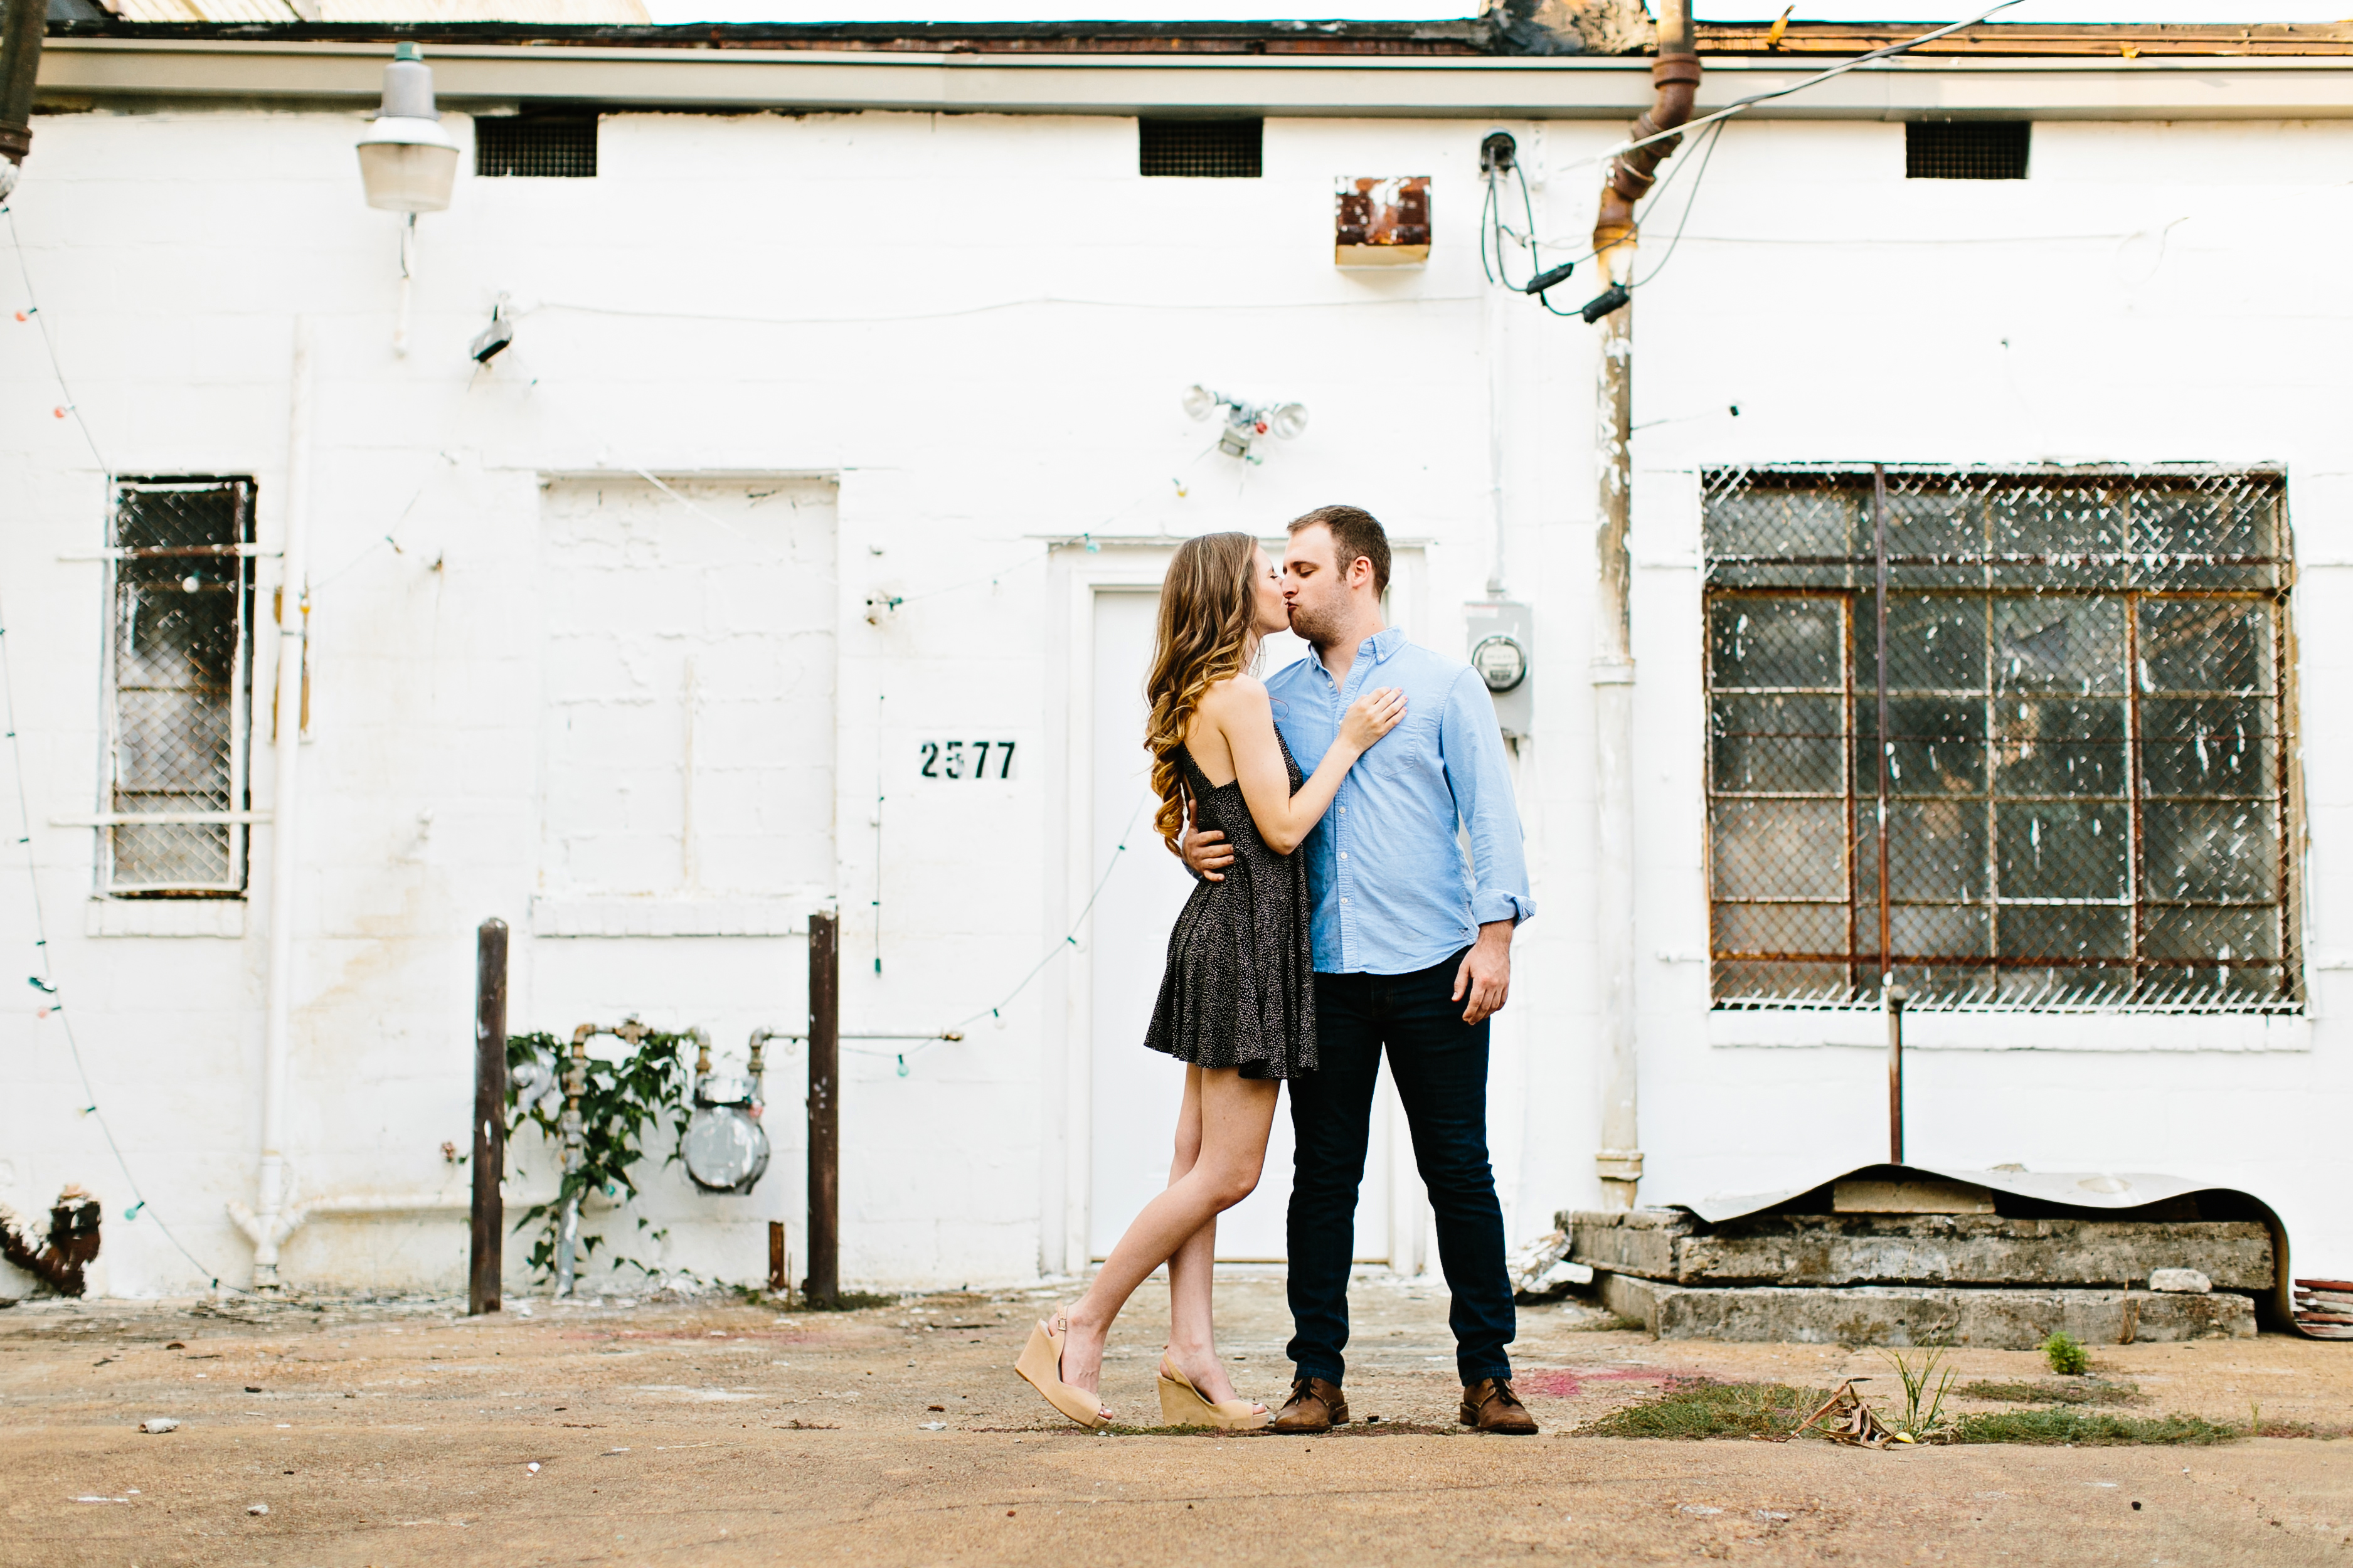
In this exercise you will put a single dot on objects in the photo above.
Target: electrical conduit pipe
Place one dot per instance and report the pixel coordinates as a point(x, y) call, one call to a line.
point(1674, 77)
point(275, 1221)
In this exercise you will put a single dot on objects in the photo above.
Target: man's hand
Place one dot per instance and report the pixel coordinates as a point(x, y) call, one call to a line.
point(1208, 853)
point(1486, 971)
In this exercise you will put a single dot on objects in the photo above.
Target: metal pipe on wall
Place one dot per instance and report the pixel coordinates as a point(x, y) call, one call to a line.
point(273, 1223)
point(1674, 77)
point(23, 26)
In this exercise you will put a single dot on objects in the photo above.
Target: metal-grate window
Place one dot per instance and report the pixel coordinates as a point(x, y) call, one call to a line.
point(2086, 801)
point(536, 147)
point(1202, 149)
point(179, 683)
point(1966, 150)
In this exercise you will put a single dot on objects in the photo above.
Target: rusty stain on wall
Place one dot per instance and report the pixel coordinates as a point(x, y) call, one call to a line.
point(1382, 222)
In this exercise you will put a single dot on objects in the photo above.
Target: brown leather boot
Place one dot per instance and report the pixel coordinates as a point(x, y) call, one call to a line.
point(1314, 1406)
point(1492, 1406)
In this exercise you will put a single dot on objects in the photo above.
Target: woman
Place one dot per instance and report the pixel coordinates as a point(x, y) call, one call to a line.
point(1236, 1002)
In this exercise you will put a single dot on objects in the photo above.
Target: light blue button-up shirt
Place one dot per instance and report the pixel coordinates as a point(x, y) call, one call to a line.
point(1393, 892)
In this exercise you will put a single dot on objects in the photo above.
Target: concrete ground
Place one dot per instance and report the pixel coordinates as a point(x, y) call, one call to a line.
point(629, 1432)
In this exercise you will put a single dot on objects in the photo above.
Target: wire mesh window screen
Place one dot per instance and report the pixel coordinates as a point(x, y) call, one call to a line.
point(2086, 799)
point(535, 146)
point(1966, 150)
point(180, 681)
point(1202, 149)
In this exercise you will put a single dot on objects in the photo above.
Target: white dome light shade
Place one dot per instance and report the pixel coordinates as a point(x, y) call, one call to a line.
point(409, 165)
point(1199, 402)
point(1289, 420)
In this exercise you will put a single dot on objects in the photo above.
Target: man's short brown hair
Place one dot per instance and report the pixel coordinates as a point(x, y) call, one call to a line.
point(1356, 532)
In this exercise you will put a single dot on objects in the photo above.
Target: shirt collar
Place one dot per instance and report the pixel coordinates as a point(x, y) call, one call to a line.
point(1378, 647)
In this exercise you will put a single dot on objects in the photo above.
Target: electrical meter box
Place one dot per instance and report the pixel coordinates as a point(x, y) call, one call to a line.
point(1500, 650)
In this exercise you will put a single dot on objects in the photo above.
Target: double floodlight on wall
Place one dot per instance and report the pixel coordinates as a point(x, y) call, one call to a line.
point(1246, 422)
point(407, 162)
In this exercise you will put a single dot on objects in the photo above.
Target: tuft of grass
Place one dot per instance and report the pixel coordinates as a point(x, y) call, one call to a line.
point(2053, 1392)
point(1695, 1410)
point(1929, 1383)
point(2061, 1426)
point(848, 1301)
point(2065, 1354)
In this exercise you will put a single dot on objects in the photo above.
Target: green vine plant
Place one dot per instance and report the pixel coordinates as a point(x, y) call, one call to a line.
point(625, 1100)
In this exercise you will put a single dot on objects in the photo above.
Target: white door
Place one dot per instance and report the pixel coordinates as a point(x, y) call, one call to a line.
point(1137, 1090)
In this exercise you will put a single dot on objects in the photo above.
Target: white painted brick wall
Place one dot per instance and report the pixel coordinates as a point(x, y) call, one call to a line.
point(978, 327)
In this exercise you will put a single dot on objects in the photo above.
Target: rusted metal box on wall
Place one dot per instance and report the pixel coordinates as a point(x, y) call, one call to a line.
point(1382, 222)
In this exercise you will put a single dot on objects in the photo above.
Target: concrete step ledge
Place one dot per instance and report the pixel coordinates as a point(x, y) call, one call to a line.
point(1902, 1315)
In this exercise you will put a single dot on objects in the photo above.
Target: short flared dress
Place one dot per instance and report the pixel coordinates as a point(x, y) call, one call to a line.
point(1239, 988)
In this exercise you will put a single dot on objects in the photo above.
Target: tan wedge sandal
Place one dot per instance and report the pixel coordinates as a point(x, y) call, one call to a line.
point(1041, 1367)
point(1181, 1405)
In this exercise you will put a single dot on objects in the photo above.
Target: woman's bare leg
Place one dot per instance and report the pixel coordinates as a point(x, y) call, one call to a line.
point(1192, 1326)
point(1236, 1115)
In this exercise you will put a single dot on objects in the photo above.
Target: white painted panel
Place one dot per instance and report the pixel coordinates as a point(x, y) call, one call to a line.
point(1137, 1090)
point(687, 725)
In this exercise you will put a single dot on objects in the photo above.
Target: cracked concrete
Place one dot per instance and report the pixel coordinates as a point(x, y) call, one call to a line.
point(396, 1432)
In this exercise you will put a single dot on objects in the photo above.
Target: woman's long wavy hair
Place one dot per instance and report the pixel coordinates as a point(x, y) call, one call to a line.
point(1207, 612)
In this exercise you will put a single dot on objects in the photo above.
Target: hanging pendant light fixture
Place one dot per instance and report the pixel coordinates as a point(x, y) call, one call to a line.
point(406, 160)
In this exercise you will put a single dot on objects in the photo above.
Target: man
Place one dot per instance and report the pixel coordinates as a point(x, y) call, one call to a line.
point(1413, 954)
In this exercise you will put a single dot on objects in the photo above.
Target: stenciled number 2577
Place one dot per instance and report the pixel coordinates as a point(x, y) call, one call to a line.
point(967, 759)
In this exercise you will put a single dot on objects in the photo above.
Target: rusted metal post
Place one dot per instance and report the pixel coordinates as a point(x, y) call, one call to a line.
point(490, 1115)
point(824, 1285)
point(779, 1265)
point(1896, 997)
point(1886, 742)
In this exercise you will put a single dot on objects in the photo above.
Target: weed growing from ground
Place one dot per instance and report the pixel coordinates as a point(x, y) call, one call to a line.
point(2064, 1352)
point(2061, 1426)
point(1928, 1382)
point(1695, 1410)
point(2053, 1392)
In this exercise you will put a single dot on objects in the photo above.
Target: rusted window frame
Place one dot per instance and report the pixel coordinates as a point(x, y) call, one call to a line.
point(1864, 961)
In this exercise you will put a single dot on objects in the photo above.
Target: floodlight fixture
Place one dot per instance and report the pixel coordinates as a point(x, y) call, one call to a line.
point(492, 340)
point(1246, 422)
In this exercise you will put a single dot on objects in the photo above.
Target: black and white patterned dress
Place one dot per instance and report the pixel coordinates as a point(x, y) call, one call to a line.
point(1239, 988)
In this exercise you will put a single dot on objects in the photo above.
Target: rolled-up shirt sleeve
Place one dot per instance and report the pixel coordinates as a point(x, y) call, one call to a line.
point(1472, 745)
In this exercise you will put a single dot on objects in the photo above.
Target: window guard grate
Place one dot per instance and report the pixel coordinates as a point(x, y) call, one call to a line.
point(179, 687)
point(2086, 802)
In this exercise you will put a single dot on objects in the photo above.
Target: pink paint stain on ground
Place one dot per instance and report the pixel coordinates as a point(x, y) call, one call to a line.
point(1565, 1383)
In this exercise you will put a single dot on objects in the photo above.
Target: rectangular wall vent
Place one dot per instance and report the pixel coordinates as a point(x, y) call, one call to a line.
point(1200, 149)
point(1968, 150)
point(536, 147)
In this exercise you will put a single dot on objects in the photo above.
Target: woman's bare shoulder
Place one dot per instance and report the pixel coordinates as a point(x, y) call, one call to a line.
point(1236, 694)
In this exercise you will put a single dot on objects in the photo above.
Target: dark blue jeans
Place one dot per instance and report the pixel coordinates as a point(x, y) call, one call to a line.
point(1439, 1064)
